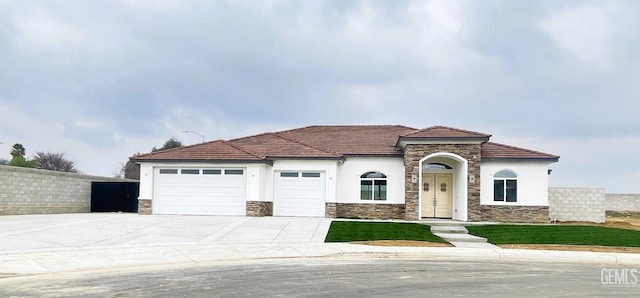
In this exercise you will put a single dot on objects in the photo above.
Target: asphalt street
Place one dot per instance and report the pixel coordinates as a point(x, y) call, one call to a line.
point(333, 277)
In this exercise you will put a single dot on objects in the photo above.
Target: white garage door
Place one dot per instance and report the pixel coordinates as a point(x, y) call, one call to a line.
point(200, 191)
point(299, 194)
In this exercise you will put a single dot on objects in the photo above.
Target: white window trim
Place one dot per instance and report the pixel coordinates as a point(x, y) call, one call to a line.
point(504, 186)
point(373, 191)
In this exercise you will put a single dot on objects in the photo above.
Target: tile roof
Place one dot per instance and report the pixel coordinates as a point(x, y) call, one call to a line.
point(214, 150)
point(330, 142)
point(352, 139)
point(275, 145)
point(444, 132)
point(492, 150)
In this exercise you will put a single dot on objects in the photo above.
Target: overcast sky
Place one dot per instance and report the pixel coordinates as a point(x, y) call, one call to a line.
point(102, 80)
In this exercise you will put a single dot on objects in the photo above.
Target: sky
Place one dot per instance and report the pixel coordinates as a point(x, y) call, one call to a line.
point(102, 80)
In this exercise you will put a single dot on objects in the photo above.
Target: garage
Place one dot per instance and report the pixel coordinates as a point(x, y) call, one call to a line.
point(200, 191)
point(299, 194)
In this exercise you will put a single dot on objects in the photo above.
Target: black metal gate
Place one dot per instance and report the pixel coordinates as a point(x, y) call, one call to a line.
point(114, 196)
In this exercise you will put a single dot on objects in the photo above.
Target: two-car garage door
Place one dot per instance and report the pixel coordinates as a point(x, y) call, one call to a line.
point(223, 191)
point(200, 191)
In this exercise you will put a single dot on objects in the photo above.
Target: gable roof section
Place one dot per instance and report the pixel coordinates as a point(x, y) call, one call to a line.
point(216, 150)
point(492, 150)
point(352, 139)
point(445, 132)
point(275, 145)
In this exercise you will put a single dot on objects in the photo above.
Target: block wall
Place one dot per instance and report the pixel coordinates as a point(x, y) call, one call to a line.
point(577, 204)
point(623, 202)
point(34, 191)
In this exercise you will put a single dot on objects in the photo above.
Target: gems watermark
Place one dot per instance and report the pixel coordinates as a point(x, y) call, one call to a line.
point(620, 277)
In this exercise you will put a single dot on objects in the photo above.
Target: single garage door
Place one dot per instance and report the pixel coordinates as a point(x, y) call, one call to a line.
point(200, 191)
point(299, 194)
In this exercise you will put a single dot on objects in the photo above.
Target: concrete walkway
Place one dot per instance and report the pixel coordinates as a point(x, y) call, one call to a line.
point(33, 244)
point(455, 233)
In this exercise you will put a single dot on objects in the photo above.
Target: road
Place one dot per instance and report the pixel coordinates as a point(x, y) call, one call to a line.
point(334, 277)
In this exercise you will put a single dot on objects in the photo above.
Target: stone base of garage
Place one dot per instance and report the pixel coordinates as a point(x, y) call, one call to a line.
point(259, 208)
point(144, 207)
point(527, 214)
point(365, 211)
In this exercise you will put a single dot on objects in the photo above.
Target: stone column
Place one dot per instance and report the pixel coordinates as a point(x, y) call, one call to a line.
point(413, 153)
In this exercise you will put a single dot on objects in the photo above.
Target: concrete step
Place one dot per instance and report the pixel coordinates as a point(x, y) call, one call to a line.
point(475, 245)
point(457, 237)
point(449, 229)
point(443, 222)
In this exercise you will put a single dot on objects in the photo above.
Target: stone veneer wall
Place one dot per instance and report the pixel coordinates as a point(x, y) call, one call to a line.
point(330, 210)
point(413, 153)
point(35, 191)
point(577, 204)
point(370, 211)
point(622, 202)
point(259, 208)
point(144, 207)
point(515, 213)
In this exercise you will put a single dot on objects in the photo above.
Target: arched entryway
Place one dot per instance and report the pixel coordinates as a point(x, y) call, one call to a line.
point(443, 186)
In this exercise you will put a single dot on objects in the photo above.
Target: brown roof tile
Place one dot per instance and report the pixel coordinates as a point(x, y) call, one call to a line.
point(330, 142)
point(440, 132)
point(351, 139)
point(215, 150)
point(499, 151)
point(274, 145)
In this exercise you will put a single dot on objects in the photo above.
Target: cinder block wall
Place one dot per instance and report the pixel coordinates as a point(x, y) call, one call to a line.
point(623, 202)
point(34, 191)
point(577, 204)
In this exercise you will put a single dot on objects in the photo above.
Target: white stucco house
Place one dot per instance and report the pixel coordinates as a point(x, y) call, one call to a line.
point(354, 171)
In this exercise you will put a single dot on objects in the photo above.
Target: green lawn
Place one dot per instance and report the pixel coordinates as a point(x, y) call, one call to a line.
point(347, 231)
point(557, 234)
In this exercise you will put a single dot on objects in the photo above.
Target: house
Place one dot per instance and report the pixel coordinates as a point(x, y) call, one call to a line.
point(353, 171)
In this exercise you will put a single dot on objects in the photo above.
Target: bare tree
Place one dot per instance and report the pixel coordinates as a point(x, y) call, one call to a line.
point(54, 162)
point(4, 162)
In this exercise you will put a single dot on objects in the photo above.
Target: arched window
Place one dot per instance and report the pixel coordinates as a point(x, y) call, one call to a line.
point(373, 186)
point(505, 186)
point(436, 166)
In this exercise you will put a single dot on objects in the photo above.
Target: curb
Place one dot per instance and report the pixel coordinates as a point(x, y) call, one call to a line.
point(19, 264)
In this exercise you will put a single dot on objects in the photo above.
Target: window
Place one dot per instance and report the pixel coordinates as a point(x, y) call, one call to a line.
point(168, 171)
point(190, 171)
point(211, 172)
point(288, 174)
point(505, 186)
point(373, 186)
point(436, 166)
point(233, 172)
point(311, 175)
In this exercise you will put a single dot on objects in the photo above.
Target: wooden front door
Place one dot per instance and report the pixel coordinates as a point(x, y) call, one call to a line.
point(436, 195)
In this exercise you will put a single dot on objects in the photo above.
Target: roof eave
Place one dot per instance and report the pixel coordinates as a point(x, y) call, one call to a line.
point(403, 141)
point(203, 160)
point(545, 159)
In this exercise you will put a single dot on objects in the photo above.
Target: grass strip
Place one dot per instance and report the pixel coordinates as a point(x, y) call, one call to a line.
point(557, 234)
point(349, 231)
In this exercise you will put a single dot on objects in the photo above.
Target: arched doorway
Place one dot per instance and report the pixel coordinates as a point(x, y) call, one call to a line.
point(443, 186)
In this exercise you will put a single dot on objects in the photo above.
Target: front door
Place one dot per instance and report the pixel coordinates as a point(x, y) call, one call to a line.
point(436, 195)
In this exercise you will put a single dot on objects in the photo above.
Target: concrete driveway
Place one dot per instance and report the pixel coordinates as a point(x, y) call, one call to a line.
point(95, 230)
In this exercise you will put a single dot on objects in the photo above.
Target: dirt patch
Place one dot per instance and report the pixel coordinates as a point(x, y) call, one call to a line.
point(573, 247)
point(403, 243)
point(630, 223)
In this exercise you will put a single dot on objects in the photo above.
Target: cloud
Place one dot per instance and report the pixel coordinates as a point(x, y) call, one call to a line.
point(106, 79)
